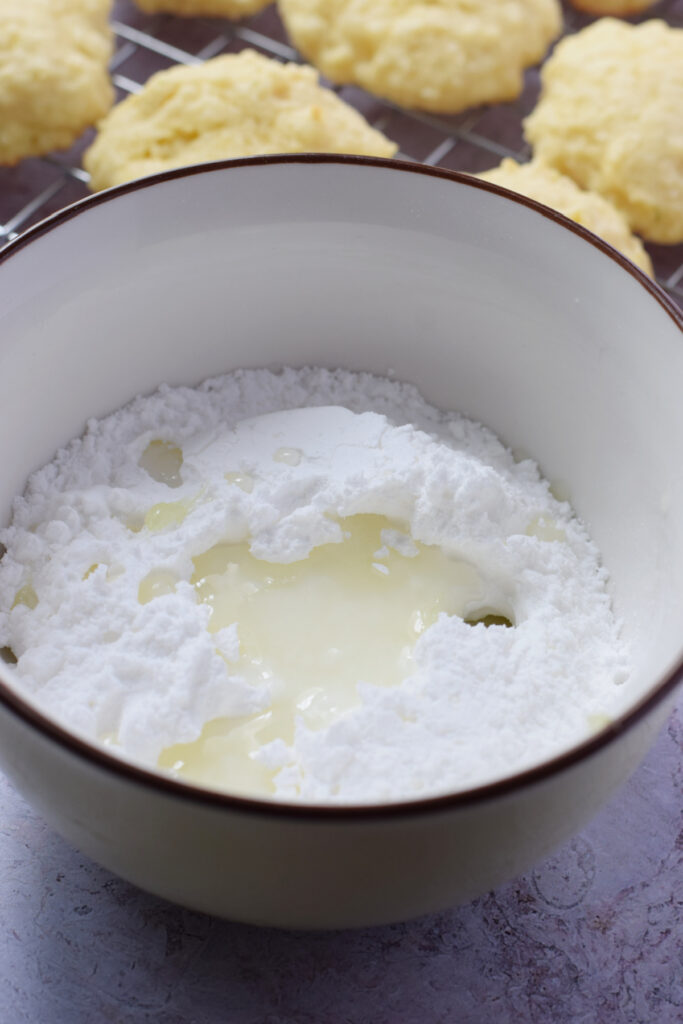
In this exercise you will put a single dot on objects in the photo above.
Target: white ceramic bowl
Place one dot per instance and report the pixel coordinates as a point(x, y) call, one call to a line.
point(491, 305)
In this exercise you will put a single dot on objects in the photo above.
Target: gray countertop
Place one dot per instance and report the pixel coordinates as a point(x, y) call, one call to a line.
point(592, 934)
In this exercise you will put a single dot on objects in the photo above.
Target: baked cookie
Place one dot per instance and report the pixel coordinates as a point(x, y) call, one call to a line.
point(437, 55)
point(53, 73)
point(617, 8)
point(204, 8)
point(611, 117)
point(546, 185)
point(235, 105)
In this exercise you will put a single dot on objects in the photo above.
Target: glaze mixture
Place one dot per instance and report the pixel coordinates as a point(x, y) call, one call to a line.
point(308, 585)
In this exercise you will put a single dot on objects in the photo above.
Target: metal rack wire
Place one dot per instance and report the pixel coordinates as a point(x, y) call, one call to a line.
point(472, 141)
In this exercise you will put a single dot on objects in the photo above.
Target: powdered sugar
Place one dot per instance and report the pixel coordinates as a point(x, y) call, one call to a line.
point(480, 703)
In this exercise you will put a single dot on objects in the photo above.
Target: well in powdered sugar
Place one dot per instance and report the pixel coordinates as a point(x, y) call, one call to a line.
point(308, 585)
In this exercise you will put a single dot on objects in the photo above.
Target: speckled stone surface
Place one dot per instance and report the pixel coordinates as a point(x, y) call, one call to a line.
point(592, 934)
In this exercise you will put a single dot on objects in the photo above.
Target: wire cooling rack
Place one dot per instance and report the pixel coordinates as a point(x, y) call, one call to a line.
point(472, 141)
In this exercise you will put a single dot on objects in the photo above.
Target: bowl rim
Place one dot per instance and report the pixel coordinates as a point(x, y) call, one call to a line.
point(100, 758)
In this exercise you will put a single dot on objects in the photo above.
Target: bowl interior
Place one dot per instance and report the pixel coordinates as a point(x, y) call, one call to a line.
point(488, 305)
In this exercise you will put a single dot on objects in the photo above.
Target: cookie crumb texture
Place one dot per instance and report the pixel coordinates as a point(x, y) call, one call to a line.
point(54, 81)
point(546, 185)
point(143, 561)
point(204, 8)
point(442, 56)
point(231, 106)
point(610, 117)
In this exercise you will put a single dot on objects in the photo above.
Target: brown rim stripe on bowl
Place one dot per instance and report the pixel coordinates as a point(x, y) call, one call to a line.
point(99, 757)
